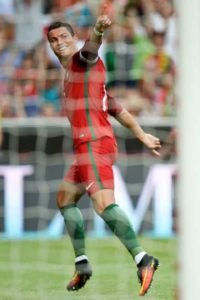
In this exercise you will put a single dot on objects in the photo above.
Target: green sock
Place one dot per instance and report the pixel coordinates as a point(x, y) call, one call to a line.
point(75, 227)
point(119, 224)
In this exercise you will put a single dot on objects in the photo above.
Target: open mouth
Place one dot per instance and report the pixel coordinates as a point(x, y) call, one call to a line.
point(62, 48)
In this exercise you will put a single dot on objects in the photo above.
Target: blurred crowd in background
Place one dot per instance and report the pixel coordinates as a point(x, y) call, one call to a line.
point(139, 51)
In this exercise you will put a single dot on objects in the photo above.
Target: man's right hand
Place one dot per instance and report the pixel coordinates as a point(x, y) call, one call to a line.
point(102, 23)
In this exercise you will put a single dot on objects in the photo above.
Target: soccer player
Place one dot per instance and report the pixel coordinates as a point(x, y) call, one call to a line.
point(88, 105)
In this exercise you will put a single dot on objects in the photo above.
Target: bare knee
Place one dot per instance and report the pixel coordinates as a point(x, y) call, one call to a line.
point(60, 199)
point(102, 199)
point(67, 194)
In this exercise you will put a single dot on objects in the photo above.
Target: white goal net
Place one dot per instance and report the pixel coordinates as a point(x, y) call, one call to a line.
point(37, 153)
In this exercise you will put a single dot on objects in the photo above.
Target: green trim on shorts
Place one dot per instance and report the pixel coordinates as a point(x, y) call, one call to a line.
point(94, 166)
point(87, 109)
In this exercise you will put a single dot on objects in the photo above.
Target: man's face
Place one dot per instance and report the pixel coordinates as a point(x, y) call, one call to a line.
point(62, 42)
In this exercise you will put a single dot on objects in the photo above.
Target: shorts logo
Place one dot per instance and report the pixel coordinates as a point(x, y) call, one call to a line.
point(89, 186)
point(81, 135)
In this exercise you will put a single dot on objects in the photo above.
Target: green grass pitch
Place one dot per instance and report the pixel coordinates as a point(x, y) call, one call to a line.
point(39, 270)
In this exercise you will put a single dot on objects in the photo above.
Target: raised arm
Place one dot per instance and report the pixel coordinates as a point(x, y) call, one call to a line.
point(150, 141)
point(92, 45)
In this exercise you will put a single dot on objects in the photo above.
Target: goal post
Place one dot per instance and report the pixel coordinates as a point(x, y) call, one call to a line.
point(189, 148)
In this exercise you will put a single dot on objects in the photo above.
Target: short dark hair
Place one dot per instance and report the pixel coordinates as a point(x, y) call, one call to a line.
point(59, 24)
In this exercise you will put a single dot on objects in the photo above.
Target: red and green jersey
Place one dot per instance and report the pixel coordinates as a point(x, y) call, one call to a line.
point(87, 103)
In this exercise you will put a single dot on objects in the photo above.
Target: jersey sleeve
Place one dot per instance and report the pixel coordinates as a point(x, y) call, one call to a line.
point(114, 106)
point(89, 53)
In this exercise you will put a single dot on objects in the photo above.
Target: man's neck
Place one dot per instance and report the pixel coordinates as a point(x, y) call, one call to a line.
point(65, 60)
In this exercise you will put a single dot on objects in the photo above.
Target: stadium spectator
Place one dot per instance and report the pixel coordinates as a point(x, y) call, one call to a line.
point(57, 6)
point(4, 60)
point(126, 48)
point(158, 78)
point(117, 59)
point(113, 8)
point(10, 57)
point(163, 12)
point(95, 149)
point(16, 94)
point(28, 28)
point(51, 93)
point(142, 45)
point(79, 14)
point(27, 76)
point(121, 59)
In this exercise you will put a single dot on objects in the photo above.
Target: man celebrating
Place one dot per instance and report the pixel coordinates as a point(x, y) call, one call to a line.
point(87, 105)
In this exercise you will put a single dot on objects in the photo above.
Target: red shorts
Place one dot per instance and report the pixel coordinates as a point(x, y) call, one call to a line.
point(92, 168)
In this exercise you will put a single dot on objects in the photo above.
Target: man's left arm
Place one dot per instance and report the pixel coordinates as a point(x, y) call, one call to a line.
point(128, 121)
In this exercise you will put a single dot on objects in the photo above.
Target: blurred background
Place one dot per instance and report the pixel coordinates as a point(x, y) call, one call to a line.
point(140, 54)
